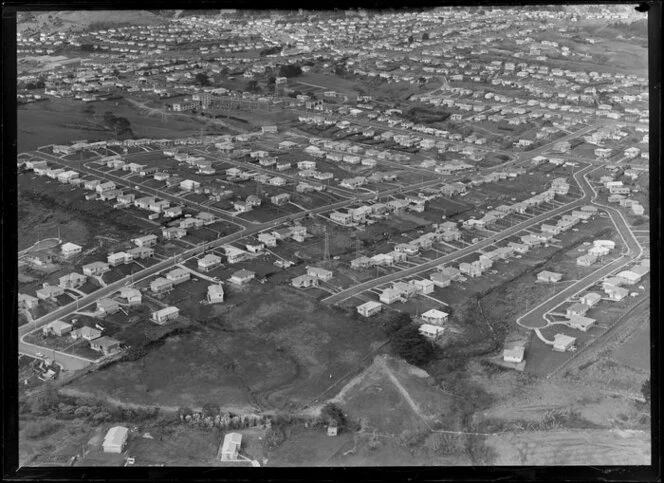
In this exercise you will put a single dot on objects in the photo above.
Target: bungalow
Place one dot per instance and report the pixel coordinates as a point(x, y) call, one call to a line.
point(95, 268)
point(616, 293)
point(208, 262)
point(441, 279)
point(470, 269)
point(422, 286)
point(234, 254)
point(563, 343)
point(105, 345)
point(553, 229)
point(162, 316)
point(242, 277)
point(631, 277)
point(255, 247)
point(361, 262)
point(132, 295)
point(391, 295)
point(384, 259)
point(70, 249)
point(369, 308)
point(268, 239)
point(119, 258)
point(72, 280)
point(586, 260)
point(173, 232)
point(580, 322)
point(145, 241)
point(341, 218)
point(107, 306)
point(85, 332)
point(514, 355)
point(435, 317)
point(599, 250)
point(108, 185)
point(139, 253)
point(590, 299)
point(189, 185)
point(407, 248)
point(27, 302)
point(547, 276)
point(304, 281)
point(215, 294)
point(178, 275)
point(320, 273)
point(431, 331)
point(577, 308)
point(57, 327)
point(280, 199)
point(160, 285)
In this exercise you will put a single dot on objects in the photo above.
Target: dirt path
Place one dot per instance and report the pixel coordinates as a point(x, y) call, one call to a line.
point(413, 405)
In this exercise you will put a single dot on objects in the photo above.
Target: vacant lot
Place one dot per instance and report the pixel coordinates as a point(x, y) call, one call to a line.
point(277, 352)
point(584, 447)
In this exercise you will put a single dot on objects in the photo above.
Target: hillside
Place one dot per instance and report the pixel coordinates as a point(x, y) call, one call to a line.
point(80, 20)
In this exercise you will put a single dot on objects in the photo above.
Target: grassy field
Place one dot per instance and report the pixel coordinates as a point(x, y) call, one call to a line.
point(274, 353)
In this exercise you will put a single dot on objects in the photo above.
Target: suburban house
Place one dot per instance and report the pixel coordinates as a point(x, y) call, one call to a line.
point(580, 322)
point(431, 331)
point(119, 258)
point(160, 285)
point(370, 308)
point(441, 279)
point(547, 276)
point(95, 268)
point(107, 306)
point(208, 262)
point(435, 317)
point(132, 295)
point(164, 315)
point(563, 343)
point(280, 199)
point(72, 280)
point(634, 275)
point(173, 233)
point(590, 299)
point(514, 355)
point(422, 286)
point(391, 295)
point(577, 308)
point(304, 281)
point(242, 277)
point(139, 253)
point(145, 241)
point(57, 327)
point(234, 254)
point(215, 294)
point(115, 439)
point(231, 446)
point(320, 273)
point(178, 275)
point(586, 260)
point(85, 332)
point(268, 238)
point(616, 293)
point(70, 249)
point(105, 345)
point(27, 302)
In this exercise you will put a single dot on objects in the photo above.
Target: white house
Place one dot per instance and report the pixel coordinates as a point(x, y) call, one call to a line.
point(164, 315)
point(435, 317)
point(215, 294)
point(563, 343)
point(115, 439)
point(70, 249)
point(515, 354)
point(231, 446)
point(369, 308)
point(209, 262)
point(431, 331)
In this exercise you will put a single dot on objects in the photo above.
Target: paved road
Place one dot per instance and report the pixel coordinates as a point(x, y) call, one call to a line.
point(67, 361)
point(535, 317)
point(357, 289)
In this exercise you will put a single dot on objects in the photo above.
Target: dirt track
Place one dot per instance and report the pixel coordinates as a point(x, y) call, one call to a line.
point(582, 447)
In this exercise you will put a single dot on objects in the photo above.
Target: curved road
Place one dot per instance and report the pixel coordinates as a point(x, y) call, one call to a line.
point(534, 319)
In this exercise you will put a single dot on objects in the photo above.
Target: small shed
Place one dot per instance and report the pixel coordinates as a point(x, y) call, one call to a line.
point(115, 439)
point(563, 343)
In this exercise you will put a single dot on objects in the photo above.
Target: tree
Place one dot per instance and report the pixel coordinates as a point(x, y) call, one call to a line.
point(412, 346)
point(410, 39)
point(202, 79)
point(290, 70)
point(252, 86)
point(425, 36)
point(645, 390)
point(271, 80)
point(396, 323)
point(332, 414)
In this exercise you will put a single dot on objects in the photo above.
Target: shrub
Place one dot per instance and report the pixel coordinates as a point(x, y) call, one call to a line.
point(40, 429)
point(412, 346)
